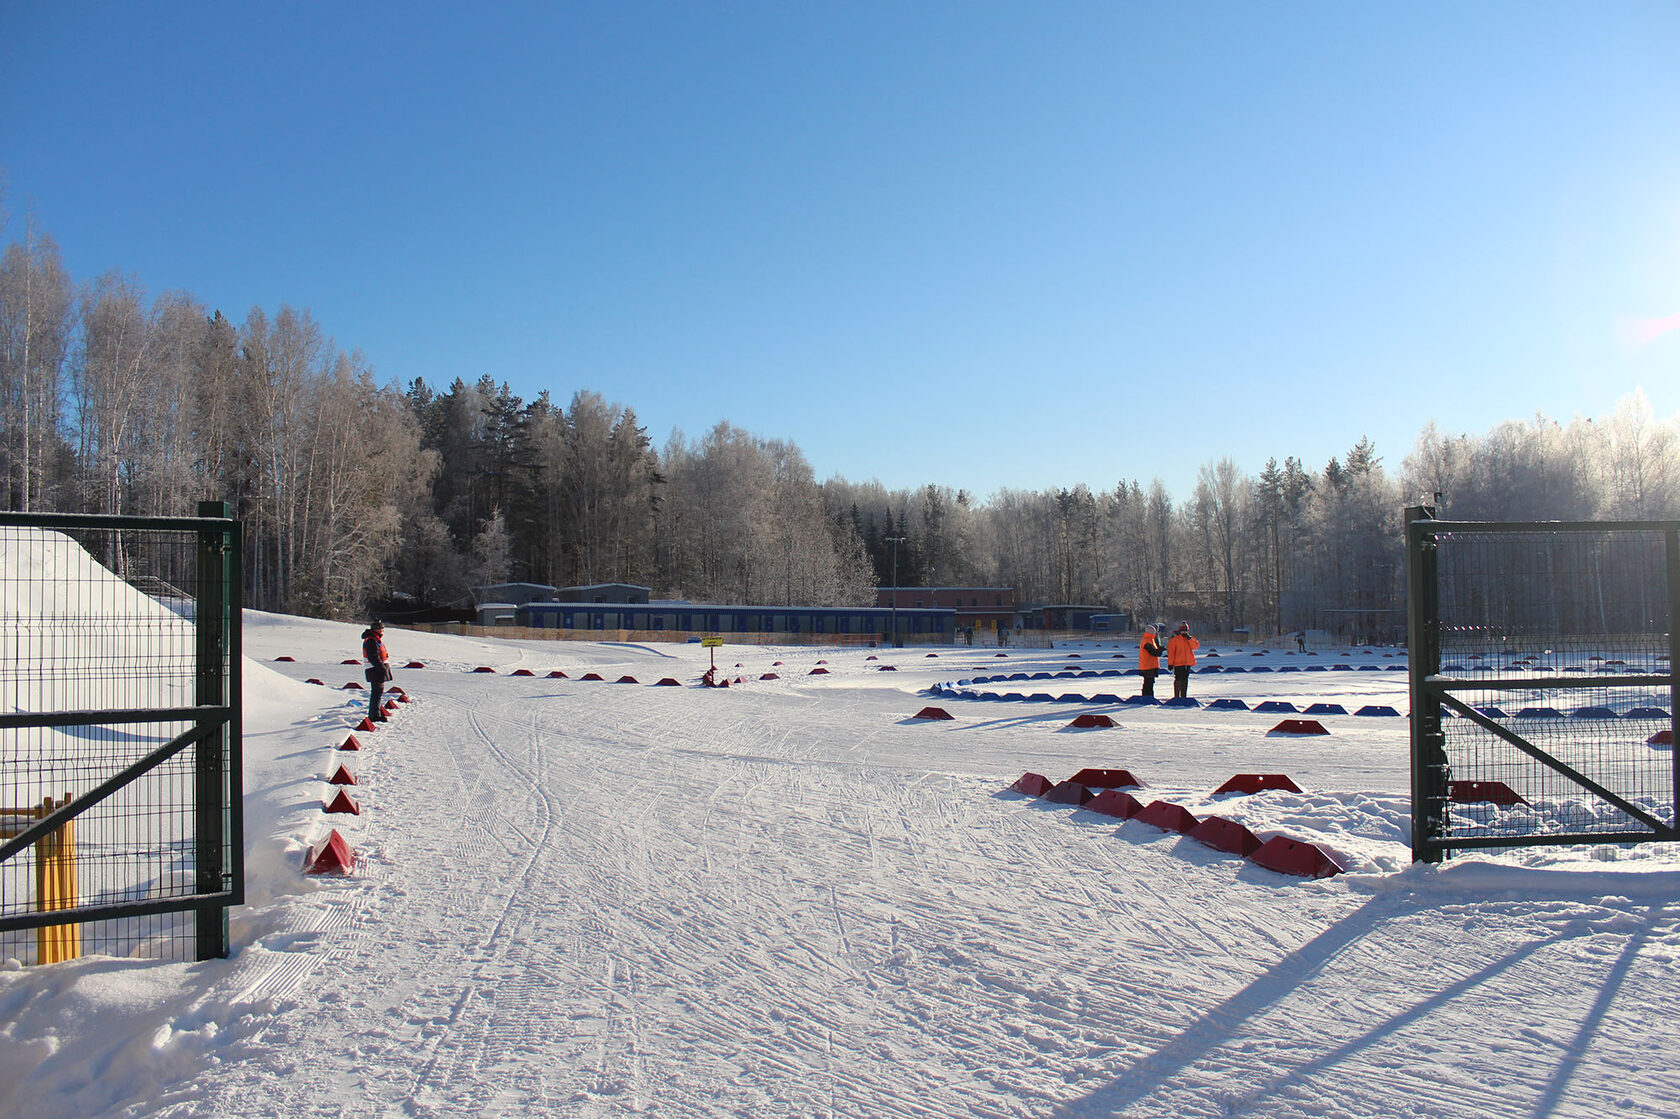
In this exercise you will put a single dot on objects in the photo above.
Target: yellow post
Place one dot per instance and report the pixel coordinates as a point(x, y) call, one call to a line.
point(55, 887)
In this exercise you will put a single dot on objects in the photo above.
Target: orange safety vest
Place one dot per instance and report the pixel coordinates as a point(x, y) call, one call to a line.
point(1181, 650)
point(1146, 660)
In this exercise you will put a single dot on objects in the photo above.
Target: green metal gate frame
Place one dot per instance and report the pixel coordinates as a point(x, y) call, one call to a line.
point(215, 737)
point(1432, 693)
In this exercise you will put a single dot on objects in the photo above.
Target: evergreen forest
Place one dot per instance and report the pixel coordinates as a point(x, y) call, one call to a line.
point(354, 492)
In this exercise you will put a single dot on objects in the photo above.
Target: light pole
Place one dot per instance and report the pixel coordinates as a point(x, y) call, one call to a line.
point(895, 541)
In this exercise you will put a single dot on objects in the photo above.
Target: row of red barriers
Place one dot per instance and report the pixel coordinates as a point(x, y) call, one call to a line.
point(1102, 791)
point(334, 855)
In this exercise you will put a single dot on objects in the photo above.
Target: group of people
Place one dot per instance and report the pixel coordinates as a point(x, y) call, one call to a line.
point(1180, 651)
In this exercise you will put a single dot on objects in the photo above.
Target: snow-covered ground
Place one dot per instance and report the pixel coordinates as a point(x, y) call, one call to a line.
point(791, 898)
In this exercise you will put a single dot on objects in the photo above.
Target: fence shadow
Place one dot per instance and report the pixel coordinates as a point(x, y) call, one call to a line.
point(1224, 1023)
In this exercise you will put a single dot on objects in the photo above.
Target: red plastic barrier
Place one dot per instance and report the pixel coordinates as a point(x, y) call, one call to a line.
point(933, 713)
point(523, 672)
point(414, 664)
point(1257, 783)
point(367, 724)
point(350, 742)
point(288, 660)
point(1661, 738)
point(1089, 720)
point(331, 856)
point(390, 707)
point(1167, 816)
point(1291, 856)
point(628, 680)
point(342, 804)
point(342, 776)
point(1483, 792)
point(1033, 784)
point(1299, 726)
point(769, 676)
point(352, 660)
point(352, 686)
point(1070, 792)
point(557, 675)
point(819, 672)
point(312, 680)
point(1107, 779)
point(668, 682)
point(484, 668)
point(1225, 835)
point(590, 676)
point(1113, 802)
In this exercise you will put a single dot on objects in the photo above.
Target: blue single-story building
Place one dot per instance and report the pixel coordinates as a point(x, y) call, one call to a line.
point(935, 624)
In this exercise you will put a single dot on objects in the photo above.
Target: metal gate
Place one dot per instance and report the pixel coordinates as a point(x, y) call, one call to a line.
point(120, 776)
point(1542, 682)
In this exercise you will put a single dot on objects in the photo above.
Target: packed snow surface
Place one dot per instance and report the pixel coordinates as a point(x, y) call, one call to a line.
point(790, 897)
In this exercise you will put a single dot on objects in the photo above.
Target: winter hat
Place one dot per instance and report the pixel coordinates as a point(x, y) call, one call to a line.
point(1184, 627)
point(377, 625)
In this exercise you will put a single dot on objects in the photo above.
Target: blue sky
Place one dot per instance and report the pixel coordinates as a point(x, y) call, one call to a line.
point(981, 245)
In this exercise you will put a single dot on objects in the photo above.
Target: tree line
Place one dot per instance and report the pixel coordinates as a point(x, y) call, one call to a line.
point(114, 400)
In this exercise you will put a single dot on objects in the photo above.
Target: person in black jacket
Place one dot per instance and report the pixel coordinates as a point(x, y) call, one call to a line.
point(378, 669)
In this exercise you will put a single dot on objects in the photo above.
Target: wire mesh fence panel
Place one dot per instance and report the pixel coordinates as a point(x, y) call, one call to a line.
point(1543, 691)
point(118, 736)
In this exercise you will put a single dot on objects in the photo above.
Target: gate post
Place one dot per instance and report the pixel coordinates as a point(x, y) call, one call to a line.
point(212, 824)
point(1672, 537)
point(1423, 654)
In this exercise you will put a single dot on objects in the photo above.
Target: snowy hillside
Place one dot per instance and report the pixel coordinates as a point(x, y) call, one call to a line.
point(791, 898)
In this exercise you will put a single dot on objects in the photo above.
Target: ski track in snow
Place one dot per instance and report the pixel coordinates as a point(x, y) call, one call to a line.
point(789, 899)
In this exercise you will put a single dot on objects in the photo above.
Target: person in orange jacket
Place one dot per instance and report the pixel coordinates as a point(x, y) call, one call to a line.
point(1181, 658)
point(1149, 658)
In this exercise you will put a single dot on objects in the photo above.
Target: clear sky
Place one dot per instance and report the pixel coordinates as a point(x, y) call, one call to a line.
point(976, 244)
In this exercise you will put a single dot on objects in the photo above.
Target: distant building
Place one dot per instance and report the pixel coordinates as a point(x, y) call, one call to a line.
point(679, 619)
point(1076, 617)
point(984, 608)
point(497, 614)
point(604, 592)
point(498, 604)
point(517, 594)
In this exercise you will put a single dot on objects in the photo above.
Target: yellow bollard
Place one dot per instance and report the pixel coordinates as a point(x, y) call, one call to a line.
point(55, 886)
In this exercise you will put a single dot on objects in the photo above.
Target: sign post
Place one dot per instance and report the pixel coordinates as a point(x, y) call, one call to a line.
point(711, 643)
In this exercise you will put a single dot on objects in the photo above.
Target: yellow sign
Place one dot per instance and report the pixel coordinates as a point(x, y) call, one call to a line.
point(711, 642)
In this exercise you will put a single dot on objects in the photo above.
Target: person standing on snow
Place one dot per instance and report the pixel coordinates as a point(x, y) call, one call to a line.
point(1181, 658)
point(378, 669)
point(1149, 659)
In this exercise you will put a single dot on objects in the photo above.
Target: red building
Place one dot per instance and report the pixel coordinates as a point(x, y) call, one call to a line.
point(985, 608)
